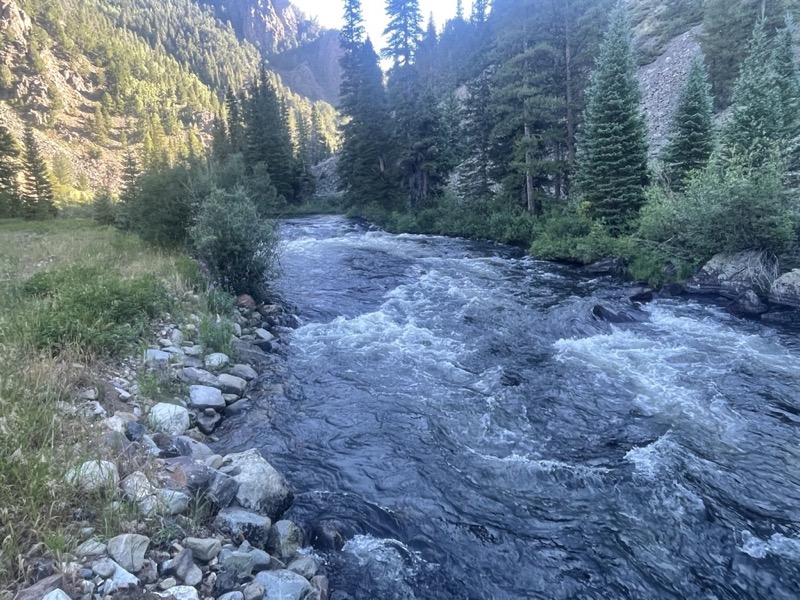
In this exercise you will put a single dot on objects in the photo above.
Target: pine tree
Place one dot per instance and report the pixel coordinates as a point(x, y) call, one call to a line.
point(460, 10)
point(480, 11)
point(752, 134)
point(353, 30)
point(784, 63)
point(403, 32)
point(9, 169)
point(475, 181)
point(236, 133)
point(220, 142)
point(612, 151)
point(692, 127)
point(363, 161)
point(268, 139)
point(37, 191)
point(130, 176)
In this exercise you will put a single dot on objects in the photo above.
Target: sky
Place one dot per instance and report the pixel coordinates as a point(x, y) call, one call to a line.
point(329, 13)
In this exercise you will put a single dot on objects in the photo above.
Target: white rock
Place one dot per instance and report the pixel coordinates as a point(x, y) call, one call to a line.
point(94, 475)
point(56, 595)
point(156, 358)
point(172, 502)
point(203, 396)
point(180, 592)
point(137, 487)
point(169, 418)
point(264, 335)
point(217, 360)
point(261, 487)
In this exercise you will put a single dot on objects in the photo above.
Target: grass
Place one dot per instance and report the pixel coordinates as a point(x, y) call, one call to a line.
point(72, 296)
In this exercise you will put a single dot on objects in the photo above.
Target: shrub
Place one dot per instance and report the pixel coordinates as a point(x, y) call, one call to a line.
point(235, 244)
point(723, 209)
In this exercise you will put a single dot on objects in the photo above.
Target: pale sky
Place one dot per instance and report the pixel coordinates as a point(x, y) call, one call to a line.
point(329, 14)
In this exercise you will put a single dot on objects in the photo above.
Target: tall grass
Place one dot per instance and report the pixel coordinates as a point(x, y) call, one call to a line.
point(72, 295)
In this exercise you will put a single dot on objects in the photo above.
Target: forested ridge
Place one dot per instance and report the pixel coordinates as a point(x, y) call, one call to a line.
point(97, 78)
point(521, 122)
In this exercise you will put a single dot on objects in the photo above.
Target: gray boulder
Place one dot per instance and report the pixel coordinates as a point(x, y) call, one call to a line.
point(194, 376)
point(172, 502)
point(234, 520)
point(749, 304)
point(56, 595)
point(261, 487)
point(231, 384)
point(182, 566)
point(137, 487)
point(222, 490)
point(156, 358)
point(191, 447)
point(786, 289)
point(128, 550)
point(204, 549)
point(731, 275)
point(283, 585)
point(203, 396)
point(285, 539)
point(246, 372)
point(305, 566)
point(169, 418)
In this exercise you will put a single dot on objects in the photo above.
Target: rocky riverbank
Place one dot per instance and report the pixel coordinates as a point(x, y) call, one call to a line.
point(188, 523)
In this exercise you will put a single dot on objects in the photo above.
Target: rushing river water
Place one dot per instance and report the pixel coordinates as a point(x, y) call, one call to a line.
point(478, 434)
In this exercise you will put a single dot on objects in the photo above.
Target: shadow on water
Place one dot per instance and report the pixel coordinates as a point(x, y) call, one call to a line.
point(460, 424)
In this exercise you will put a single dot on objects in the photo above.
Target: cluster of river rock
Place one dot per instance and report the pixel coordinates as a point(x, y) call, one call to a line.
point(161, 466)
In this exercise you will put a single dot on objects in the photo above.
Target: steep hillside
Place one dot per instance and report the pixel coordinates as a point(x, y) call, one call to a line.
point(96, 75)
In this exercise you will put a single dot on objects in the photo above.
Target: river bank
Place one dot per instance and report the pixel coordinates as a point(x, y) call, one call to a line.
point(148, 509)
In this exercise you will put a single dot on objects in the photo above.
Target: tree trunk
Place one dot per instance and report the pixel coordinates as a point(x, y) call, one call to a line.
point(533, 207)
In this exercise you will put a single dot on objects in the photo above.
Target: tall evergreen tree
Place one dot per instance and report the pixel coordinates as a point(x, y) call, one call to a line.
point(475, 181)
point(612, 151)
point(752, 134)
point(692, 127)
point(9, 170)
point(353, 30)
point(236, 133)
point(37, 191)
point(363, 162)
point(787, 78)
point(220, 141)
point(268, 139)
point(403, 32)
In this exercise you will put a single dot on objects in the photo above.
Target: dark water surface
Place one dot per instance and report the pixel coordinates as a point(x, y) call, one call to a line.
point(479, 435)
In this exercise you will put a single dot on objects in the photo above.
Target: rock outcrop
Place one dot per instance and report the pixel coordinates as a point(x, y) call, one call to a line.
point(731, 275)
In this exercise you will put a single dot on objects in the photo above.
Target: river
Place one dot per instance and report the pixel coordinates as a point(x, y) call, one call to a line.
point(477, 434)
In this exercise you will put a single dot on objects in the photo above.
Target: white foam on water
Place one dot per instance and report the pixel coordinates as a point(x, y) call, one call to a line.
point(664, 376)
point(777, 545)
point(649, 460)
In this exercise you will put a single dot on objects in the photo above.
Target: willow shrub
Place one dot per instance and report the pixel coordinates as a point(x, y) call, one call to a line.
point(723, 209)
point(237, 246)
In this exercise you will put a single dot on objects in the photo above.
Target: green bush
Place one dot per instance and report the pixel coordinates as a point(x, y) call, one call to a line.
point(573, 237)
point(93, 311)
point(235, 244)
point(723, 209)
